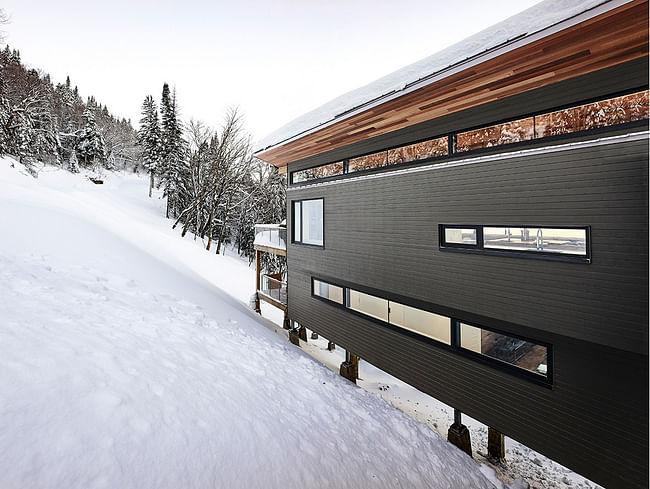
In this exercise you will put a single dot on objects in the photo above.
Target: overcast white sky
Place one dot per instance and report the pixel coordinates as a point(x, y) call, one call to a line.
point(275, 60)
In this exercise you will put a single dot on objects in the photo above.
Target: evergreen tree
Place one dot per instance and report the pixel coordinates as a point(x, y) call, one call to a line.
point(90, 143)
point(73, 162)
point(149, 139)
point(172, 152)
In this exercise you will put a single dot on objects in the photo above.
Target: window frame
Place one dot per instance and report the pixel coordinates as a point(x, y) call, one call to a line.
point(480, 248)
point(327, 299)
point(546, 380)
point(302, 227)
point(443, 236)
point(454, 326)
point(452, 144)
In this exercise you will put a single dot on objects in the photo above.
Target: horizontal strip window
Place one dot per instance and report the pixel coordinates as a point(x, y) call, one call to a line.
point(570, 243)
point(603, 113)
point(327, 291)
point(528, 357)
point(508, 349)
point(307, 222)
point(324, 171)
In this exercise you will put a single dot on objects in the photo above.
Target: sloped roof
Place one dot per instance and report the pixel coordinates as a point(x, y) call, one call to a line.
point(539, 17)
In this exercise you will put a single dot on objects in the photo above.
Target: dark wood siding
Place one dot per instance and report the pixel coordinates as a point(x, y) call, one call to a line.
point(383, 233)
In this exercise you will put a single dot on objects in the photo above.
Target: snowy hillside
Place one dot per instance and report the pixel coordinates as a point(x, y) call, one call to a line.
point(123, 363)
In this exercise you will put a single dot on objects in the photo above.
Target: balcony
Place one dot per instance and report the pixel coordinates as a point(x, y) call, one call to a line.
point(271, 238)
point(273, 290)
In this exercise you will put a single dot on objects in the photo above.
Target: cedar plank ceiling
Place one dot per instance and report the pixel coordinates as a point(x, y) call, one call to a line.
point(613, 37)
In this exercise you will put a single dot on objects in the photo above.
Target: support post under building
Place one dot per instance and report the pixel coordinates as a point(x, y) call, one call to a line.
point(458, 434)
point(350, 367)
point(258, 271)
point(496, 445)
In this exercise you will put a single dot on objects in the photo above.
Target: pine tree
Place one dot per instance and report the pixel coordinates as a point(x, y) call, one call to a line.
point(90, 143)
point(73, 162)
point(149, 139)
point(173, 152)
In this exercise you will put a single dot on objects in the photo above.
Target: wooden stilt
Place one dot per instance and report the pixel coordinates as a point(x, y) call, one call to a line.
point(458, 434)
point(286, 322)
point(258, 266)
point(496, 445)
point(350, 367)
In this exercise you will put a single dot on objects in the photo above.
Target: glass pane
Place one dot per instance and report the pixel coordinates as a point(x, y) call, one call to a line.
point(514, 351)
point(312, 222)
point(368, 304)
point(296, 221)
point(375, 160)
point(418, 151)
point(550, 240)
point(466, 236)
point(423, 322)
point(328, 291)
point(299, 176)
point(628, 108)
point(497, 135)
point(318, 172)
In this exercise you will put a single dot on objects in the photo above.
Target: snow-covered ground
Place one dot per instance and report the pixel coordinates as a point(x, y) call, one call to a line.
point(521, 462)
point(127, 360)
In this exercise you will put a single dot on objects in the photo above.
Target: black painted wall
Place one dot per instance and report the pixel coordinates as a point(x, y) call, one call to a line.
point(382, 233)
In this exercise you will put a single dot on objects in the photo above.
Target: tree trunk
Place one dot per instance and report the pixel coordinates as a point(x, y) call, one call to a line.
point(223, 226)
point(210, 224)
point(150, 182)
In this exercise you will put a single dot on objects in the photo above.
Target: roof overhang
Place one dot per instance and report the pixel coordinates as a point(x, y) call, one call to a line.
point(607, 35)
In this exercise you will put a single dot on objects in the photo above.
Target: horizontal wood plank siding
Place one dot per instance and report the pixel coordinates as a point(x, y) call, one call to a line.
point(594, 418)
point(383, 233)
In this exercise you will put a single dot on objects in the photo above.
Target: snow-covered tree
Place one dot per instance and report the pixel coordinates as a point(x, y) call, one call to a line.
point(90, 143)
point(73, 162)
point(173, 151)
point(149, 139)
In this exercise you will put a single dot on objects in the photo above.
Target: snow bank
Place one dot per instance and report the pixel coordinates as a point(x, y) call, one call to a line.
point(534, 19)
point(123, 365)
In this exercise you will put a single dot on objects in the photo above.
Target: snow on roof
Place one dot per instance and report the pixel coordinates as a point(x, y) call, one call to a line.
point(540, 16)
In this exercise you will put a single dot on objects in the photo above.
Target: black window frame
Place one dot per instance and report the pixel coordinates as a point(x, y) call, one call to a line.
point(483, 358)
point(454, 326)
point(293, 222)
point(480, 248)
point(477, 228)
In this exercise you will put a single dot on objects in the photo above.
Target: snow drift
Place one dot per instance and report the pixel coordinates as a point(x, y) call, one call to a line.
point(122, 364)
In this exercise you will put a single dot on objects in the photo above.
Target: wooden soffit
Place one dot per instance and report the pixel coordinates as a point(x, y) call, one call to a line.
point(611, 38)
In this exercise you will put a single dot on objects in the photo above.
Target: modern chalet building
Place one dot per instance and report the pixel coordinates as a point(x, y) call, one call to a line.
point(476, 224)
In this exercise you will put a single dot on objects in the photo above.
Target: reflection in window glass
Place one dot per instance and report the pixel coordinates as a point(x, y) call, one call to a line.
point(328, 291)
point(312, 222)
point(368, 304)
point(464, 236)
point(628, 108)
point(422, 322)
point(515, 351)
point(418, 151)
point(375, 160)
point(538, 239)
point(296, 221)
point(323, 171)
point(496, 135)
